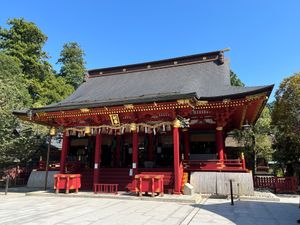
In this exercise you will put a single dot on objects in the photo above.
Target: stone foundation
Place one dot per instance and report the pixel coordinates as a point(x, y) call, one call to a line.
point(37, 179)
point(218, 183)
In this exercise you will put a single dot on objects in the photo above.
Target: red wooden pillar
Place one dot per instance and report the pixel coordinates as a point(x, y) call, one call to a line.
point(220, 143)
point(118, 151)
point(134, 149)
point(177, 182)
point(150, 147)
point(64, 151)
point(97, 158)
point(186, 137)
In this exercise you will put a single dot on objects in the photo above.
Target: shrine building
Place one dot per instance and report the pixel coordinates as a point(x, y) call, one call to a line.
point(165, 117)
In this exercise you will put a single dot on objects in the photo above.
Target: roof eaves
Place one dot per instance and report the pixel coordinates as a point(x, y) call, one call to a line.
point(112, 103)
point(267, 89)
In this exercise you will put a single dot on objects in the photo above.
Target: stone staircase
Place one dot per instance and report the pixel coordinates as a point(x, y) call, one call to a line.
point(121, 177)
point(118, 176)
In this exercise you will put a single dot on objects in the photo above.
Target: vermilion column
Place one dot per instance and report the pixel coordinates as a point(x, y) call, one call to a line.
point(118, 151)
point(134, 150)
point(220, 143)
point(177, 182)
point(97, 158)
point(150, 147)
point(63, 154)
point(186, 137)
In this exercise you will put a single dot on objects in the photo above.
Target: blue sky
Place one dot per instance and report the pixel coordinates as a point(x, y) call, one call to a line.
point(264, 36)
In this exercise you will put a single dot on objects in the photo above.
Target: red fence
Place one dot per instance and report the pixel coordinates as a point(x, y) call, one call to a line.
point(215, 165)
point(278, 184)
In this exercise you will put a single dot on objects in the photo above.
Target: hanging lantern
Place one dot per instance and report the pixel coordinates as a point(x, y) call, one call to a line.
point(87, 130)
point(163, 127)
point(52, 131)
point(154, 131)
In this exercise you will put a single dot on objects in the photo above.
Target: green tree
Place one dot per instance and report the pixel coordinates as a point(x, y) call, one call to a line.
point(286, 120)
point(235, 80)
point(26, 80)
point(73, 64)
point(257, 140)
point(15, 144)
point(52, 89)
point(24, 41)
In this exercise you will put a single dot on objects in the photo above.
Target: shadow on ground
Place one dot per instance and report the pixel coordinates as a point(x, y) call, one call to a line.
point(246, 212)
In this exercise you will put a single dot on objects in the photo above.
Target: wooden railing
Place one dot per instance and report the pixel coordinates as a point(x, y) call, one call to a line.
point(278, 184)
point(53, 165)
point(71, 167)
point(214, 164)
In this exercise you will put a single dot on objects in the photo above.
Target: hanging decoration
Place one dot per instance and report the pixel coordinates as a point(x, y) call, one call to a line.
point(108, 129)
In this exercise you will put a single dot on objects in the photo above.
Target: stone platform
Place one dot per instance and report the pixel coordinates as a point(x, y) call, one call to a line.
point(194, 199)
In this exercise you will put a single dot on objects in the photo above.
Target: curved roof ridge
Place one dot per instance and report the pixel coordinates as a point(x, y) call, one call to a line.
point(152, 65)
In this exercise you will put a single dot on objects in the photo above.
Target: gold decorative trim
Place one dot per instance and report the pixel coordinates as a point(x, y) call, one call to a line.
point(183, 101)
point(133, 127)
point(176, 123)
point(128, 106)
point(219, 128)
point(114, 118)
point(200, 103)
point(84, 110)
point(52, 131)
point(242, 155)
point(226, 100)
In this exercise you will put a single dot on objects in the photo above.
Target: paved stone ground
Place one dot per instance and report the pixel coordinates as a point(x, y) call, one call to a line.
point(16, 208)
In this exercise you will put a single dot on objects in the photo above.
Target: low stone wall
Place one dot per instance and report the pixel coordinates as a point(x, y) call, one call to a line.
point(218, 183)
point(37, 179)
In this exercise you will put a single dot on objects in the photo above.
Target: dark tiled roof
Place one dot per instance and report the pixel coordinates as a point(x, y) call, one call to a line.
point(208, 79)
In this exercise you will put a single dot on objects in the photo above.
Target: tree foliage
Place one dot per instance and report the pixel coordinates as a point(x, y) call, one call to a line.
point(14, 143)
point(72, 69)
point(24, 41)
point(257, 140)
point(235, 80)
point(26, 80)
point(52, 89)
point(286, 120)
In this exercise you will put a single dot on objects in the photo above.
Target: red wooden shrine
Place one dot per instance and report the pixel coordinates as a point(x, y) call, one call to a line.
point(163, 118)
